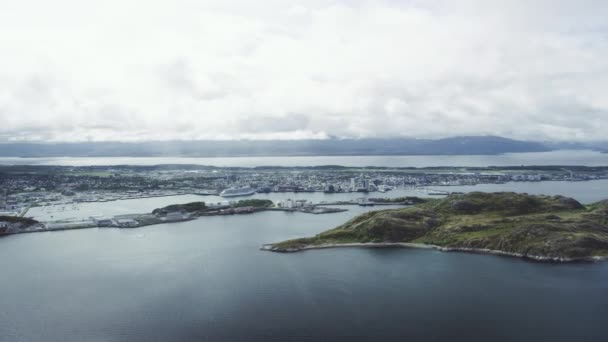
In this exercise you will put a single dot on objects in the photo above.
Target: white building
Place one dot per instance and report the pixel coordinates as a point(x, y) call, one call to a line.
point(353, 184)
point(103, 221)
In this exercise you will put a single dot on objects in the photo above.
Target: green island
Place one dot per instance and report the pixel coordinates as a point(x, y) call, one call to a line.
point(191, 207)
point(200, 208)
point(544, 228)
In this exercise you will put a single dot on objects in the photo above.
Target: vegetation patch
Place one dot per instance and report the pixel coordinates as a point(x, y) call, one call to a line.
point(191, 207)
point(256, 203)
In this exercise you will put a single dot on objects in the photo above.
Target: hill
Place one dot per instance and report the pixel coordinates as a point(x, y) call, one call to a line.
point(332, 147)
point(553, 228)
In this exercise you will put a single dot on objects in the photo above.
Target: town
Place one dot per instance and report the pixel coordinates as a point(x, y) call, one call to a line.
point(23, 187)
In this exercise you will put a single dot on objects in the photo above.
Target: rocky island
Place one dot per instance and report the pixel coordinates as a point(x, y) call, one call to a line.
point(546, 228)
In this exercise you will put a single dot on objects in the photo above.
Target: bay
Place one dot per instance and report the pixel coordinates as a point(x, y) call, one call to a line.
point(207, 280)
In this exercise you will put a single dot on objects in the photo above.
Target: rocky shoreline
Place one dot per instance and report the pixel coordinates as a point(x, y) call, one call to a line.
point(540, 258)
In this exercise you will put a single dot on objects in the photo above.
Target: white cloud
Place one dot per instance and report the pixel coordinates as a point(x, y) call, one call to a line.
point(133, 70)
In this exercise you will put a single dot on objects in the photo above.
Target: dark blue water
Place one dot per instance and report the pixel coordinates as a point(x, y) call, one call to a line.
point(207, 280)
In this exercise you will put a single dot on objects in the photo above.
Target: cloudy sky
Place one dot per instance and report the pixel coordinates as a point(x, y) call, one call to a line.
point(73, 70)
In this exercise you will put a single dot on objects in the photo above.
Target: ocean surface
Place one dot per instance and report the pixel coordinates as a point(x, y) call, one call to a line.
point(561, 157)
point(207, 280)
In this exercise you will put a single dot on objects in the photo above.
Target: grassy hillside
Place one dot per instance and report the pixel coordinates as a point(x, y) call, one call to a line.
point(553, 227)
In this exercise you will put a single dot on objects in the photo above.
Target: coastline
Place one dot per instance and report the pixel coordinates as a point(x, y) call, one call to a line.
point(540, 258)
point(146, 219)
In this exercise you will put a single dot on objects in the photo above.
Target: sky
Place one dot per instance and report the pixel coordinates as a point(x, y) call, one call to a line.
point(124, 70)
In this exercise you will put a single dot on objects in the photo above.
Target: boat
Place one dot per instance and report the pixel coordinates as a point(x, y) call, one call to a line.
point(234, 192)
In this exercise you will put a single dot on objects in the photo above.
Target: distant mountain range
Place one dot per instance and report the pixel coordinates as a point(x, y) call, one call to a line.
point(467, 145)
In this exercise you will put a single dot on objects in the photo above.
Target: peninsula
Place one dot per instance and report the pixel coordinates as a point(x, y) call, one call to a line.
point(175, 213)
point(546, 228)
